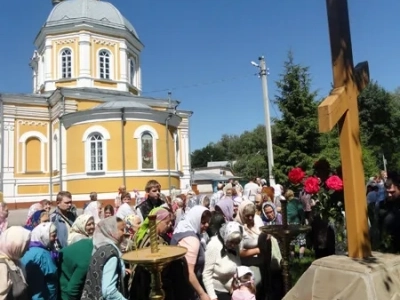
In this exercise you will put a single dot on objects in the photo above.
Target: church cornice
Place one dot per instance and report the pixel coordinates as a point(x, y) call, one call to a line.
point(74, 27)
point(65, 41)
point(103, 42)
point(94, 115)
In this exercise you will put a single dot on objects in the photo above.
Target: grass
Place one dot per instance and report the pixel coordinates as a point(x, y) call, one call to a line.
point(299, 266)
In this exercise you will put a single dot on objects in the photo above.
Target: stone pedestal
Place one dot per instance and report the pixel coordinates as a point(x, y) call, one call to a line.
point(342, 278)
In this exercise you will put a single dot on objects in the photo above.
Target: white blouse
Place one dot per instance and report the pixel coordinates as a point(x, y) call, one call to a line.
point(218, 271)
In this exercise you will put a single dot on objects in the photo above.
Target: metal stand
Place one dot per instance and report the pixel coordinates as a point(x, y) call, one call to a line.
point(154, 259)
point(285, 233)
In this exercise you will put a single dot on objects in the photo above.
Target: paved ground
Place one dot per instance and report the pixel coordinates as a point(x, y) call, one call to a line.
point(17, 217)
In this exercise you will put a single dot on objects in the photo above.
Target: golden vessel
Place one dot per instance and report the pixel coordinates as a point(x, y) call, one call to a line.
point(154, 259)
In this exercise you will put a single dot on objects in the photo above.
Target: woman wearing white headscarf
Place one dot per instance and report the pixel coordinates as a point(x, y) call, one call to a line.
point(104, 279)
point(13, 244)
point(188, 234)
point(93, 209)
point(222, 259)
point(39, 262)
point(82, 228)
point(258, 251)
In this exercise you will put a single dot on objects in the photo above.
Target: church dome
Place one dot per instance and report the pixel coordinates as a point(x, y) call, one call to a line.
point(96, 11)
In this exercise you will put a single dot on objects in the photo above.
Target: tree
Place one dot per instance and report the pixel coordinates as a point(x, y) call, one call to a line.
point(379, 119)
point(211, 152)
point(296, 138)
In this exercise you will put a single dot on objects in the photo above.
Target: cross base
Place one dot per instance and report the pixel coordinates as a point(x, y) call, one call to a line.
point(371, 279)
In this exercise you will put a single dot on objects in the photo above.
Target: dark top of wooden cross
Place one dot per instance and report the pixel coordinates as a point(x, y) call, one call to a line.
point(341, 108)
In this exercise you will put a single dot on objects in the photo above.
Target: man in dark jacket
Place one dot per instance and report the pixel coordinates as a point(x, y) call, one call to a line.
point(153, 200)
point(62, 217)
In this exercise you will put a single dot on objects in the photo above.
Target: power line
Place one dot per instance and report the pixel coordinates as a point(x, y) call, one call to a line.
point(200, 84)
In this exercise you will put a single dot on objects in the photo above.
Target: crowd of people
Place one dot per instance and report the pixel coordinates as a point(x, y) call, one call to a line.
point(62, 255)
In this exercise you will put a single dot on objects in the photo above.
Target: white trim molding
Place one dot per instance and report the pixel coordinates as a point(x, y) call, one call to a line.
point(111, 59)
point(141, 129)
point(60, 62)
point(138, 136)
point(96, 128)
point(105, 135)
point(43, 140)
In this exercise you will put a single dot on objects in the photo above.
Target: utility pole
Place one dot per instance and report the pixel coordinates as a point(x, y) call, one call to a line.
point(263, 75)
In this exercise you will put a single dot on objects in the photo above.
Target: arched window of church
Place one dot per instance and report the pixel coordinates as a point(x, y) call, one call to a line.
point(33, 155)
point(132, 71)
point(96, 146)
point(66, 63)
point(104, 64)
point(147, 151)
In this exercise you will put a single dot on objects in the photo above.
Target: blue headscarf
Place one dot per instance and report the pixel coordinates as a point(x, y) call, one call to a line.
point(34, 220)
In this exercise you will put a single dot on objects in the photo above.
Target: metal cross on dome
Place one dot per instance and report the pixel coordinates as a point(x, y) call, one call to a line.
point(341, 107)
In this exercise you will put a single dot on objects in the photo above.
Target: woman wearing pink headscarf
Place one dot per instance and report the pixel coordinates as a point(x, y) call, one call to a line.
point(3, 217)
point(13, 244)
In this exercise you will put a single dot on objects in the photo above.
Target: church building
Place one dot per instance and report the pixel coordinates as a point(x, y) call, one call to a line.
point(86, 127)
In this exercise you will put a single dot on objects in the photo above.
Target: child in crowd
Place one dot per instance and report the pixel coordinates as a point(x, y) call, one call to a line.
point(243, 284)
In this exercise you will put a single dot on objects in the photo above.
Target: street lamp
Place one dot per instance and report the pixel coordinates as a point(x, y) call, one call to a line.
point(263, 75)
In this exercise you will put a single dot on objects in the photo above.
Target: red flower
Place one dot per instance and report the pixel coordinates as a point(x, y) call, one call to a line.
point(334, 183)
point(296, 175)
point(311, 185)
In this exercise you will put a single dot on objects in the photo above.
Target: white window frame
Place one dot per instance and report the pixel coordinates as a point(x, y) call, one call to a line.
point(111, 63)
point(60, 63)
point(100, 130)
point(138, 136)
point(43, 141)
point(56, 152)
point(132, 76)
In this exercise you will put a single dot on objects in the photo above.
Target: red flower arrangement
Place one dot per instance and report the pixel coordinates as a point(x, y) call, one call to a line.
point(326, 194)
point(334, 183)
point(296, 175)
point(311, 185)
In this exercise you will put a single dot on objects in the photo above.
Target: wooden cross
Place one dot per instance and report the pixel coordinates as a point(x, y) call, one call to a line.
point(341, 107)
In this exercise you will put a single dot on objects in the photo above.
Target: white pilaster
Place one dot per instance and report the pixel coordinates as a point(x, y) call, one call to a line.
point(48, 58)
point(176, 147)
point(123, 61)
point(185, 153)
point(84, 71)
point(9, 147)
point(138, 76)
point(63, 149)
point(9, 150)
point(49, 84)
point(35, 80)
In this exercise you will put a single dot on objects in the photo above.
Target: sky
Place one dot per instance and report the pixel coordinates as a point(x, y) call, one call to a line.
point(201, 50)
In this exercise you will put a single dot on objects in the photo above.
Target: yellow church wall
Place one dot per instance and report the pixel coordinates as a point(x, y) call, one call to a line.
point(32, 147)
point(32, 189)
point(33, 155)
point(162, 162)
point(56, 188)
point(76, 147)
point(114, 49)
point(66, 83)
point(109, 185)
point(58, 46)
point(85, 104)
point(104, 83)
point(131, 148)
